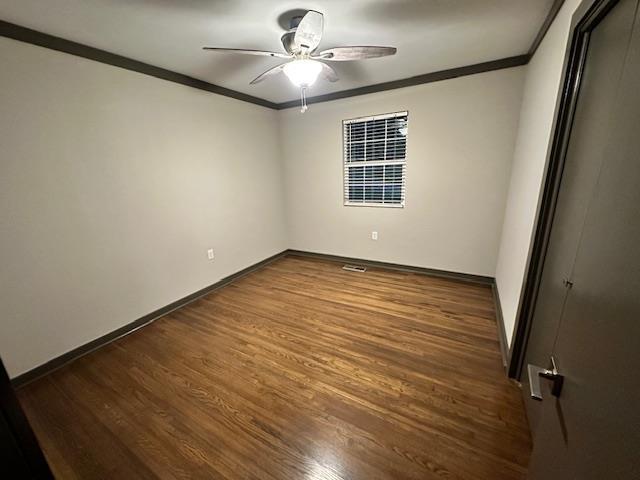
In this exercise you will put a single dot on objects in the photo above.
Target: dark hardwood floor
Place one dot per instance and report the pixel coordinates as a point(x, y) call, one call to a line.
point(297, 371)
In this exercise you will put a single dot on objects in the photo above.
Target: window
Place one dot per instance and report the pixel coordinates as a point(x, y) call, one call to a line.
point(375, 151)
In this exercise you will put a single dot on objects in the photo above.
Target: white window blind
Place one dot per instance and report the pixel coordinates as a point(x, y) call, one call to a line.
point(375, 150)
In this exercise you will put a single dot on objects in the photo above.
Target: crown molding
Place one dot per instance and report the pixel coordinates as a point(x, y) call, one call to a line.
point(551, 16)
point(418, 80)
point(45, 40)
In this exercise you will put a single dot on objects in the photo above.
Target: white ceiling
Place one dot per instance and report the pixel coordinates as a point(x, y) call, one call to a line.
point(430, 35)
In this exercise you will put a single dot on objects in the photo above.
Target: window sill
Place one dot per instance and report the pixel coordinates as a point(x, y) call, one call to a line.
point(383, 205)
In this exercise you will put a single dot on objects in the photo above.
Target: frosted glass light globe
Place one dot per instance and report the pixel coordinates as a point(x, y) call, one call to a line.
point(303, 73)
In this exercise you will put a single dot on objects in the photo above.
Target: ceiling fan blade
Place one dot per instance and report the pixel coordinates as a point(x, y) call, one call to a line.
point(262, 53)
point(328, 73)
point(269, 73)
point(309, 31)
point(345, 54)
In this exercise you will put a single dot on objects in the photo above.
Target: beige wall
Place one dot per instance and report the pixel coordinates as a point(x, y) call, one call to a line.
point(112, 187)
point(540, 94)
point(460, 146)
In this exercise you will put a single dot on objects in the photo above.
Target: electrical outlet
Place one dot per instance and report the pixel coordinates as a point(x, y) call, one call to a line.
point(210, 254)
point(374, 235)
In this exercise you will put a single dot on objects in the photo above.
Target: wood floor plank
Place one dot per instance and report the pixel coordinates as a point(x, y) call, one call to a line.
point(300, 370)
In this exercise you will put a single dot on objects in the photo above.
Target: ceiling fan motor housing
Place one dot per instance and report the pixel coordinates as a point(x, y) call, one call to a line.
point(287, 38)
point(287, 41)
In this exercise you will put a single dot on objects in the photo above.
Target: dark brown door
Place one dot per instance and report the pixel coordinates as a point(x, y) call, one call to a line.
point(588, 311)
point(592, 127)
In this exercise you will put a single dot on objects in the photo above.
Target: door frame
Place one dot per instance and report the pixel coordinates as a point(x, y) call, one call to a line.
point(586, 17)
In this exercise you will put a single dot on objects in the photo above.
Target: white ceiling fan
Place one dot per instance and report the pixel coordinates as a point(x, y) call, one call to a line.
point(300, 43)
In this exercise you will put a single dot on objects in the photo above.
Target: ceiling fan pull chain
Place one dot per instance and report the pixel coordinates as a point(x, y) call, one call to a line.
point(303, 99)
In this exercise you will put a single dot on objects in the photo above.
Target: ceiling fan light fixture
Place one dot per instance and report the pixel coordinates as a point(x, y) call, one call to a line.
point(303, 73)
